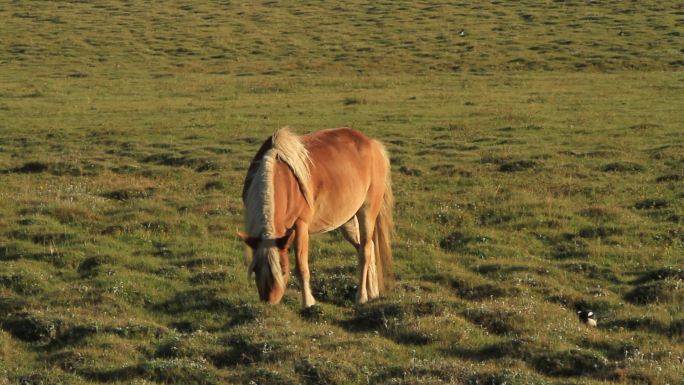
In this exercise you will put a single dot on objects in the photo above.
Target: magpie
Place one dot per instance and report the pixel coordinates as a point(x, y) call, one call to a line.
point(587, 317)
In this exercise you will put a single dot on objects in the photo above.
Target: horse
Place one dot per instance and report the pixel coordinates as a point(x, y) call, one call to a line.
point(296, 186)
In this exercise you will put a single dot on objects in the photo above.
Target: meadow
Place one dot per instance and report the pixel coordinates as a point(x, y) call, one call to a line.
point(538, 167)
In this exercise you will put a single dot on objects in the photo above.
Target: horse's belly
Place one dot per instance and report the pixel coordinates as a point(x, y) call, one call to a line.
point(333, 213)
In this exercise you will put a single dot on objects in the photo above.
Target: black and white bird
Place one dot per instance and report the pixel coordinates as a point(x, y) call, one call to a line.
point(461, 33)
point(587, 317)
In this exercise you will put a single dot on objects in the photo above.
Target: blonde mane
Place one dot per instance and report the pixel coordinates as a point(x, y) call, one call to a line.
point(290, 150)
point(259, 200)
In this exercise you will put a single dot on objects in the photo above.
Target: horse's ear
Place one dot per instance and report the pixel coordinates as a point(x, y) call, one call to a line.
point(250, 241)
point(285, 241)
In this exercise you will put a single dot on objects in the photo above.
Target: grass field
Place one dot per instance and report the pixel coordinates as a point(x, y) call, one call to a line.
point(538, 167)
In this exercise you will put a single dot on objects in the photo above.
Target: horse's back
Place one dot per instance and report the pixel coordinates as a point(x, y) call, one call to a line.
point(336, 138)
point(339, 153)
point(343, 163)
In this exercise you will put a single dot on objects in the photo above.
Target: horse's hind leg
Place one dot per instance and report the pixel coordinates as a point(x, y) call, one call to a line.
point(368, 278)
point(350, 231)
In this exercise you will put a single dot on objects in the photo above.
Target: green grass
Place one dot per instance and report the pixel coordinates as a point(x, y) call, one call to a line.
point(538, 166)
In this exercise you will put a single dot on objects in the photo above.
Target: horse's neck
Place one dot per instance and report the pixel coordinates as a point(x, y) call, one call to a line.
point(289, 202)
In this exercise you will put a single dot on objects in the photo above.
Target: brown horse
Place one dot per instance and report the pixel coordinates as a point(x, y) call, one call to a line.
point(301, 185)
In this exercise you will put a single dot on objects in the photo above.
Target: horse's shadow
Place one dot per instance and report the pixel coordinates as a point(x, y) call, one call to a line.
point(388, 319)
point(337, 285)
point(214, 301)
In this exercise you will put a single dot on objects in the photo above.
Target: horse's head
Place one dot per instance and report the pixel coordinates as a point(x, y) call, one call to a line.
point(270, 264)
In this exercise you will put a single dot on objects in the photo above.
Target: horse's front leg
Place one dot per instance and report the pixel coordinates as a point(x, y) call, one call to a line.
point(302, 245)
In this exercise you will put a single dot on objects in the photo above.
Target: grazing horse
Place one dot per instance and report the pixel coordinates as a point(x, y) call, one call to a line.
point(302, 185)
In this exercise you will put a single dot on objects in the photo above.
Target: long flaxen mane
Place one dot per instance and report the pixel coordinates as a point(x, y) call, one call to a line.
point(257, 193)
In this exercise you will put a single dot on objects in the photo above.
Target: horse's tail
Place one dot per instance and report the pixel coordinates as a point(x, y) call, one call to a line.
point(384, 229)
